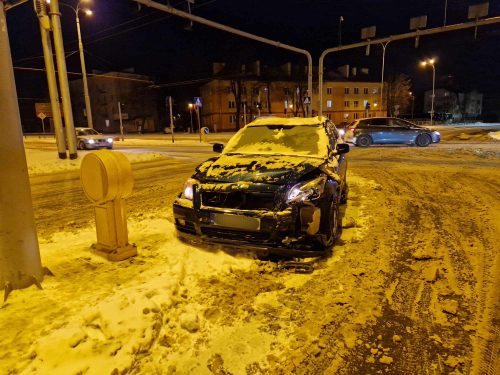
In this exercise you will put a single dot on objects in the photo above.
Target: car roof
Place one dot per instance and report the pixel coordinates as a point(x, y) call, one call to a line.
point(318, 120)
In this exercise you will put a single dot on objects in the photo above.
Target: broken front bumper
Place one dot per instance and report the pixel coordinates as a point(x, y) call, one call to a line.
point(260, 231)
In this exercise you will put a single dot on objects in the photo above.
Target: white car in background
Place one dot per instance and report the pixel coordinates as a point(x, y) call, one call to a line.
point(91, 139)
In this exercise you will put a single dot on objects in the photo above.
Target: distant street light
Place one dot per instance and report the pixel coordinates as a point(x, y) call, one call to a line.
point(190, 106)
point(412, 103)
point(431, 62)
point(88, 12)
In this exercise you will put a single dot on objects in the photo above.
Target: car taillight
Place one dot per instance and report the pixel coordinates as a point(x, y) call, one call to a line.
point(352, 129)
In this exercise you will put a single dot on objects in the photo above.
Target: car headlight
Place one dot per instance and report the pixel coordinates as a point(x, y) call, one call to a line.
point(188, 191)
point(437, 133)
point(91, 141)
point(306, 190)
point(341, 132)
point(110, 140)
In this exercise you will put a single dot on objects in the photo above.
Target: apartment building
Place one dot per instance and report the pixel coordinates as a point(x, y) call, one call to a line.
point(343, 100)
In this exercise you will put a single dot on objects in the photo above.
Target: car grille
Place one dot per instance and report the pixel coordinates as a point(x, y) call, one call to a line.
point(251, 237)
point(239, 199)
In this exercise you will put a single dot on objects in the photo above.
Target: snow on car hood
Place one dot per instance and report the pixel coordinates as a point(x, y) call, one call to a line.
point(273, 169)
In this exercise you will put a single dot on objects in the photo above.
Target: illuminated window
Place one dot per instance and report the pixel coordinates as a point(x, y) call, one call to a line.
point(329, 104)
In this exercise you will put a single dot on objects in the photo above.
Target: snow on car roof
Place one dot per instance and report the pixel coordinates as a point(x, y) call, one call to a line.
point(288, 121)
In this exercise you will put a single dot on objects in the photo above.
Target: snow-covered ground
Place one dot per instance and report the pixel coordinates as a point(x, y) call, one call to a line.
point(410, 288)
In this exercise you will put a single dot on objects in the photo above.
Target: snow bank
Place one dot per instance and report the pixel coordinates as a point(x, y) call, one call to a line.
point(44, 162)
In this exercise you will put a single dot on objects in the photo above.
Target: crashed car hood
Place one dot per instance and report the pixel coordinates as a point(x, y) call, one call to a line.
point(269, 169)
point(94, 136)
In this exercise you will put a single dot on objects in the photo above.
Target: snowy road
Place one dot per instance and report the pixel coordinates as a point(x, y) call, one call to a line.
point(410, 288)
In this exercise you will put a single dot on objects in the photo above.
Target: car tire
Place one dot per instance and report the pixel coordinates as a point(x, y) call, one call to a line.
point(344, 194)
point(81, 145)
point(332, 227)
point(364, 141)
point(423, 140)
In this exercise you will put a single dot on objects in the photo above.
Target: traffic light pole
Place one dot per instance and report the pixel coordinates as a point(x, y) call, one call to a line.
point(20, 263)
point(232, 30)
point(410, 35)
point(44, 22)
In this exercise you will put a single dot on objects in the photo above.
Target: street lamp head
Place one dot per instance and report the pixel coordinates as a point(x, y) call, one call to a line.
point(88, 12)
point(423, 63)
point(190, 105)
point(431, 61)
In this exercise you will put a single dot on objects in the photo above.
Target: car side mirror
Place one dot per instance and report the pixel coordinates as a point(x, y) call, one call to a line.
point(342, 148)
point(218, 147)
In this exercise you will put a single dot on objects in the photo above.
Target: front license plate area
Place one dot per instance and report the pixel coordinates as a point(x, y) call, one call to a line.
point(236, 222)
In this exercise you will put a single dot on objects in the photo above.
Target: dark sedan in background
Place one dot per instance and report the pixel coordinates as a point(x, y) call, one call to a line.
point(389, 130)
point(277, 187)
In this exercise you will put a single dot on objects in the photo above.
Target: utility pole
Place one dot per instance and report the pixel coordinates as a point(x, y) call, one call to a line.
point(20, 263)
point(63, 78)
point(190, 106)
point(199, 121)
point(44, 21)
point(88, 108)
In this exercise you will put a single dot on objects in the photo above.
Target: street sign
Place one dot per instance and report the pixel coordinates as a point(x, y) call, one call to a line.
point(198, 102)
point(42, 116)
point(307, 100)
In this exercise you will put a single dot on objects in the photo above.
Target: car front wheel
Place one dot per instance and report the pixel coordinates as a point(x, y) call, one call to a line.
point(331, 226)
point(423, 140)
point(81, 145)
point(364, 140)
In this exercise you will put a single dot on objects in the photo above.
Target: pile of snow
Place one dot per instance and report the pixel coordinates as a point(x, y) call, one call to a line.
point(495, 135)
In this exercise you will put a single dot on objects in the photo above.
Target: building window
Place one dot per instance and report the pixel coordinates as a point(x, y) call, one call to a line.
point(232, 119)
point(329, 104)
point(356, 90)
point(365, 102)
point(231, 104)
point(356, 104)
point(346, 103)
point(356, 116)
point(329, 90)
point(346, 90)
point(365, 91)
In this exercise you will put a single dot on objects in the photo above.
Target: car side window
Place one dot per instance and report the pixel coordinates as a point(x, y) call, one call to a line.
point(362, 124)
point(378, 122)
point(399, 123)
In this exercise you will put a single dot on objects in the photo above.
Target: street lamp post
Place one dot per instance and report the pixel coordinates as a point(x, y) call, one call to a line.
point(431, 62)
point(88, 12)
point(190, 106)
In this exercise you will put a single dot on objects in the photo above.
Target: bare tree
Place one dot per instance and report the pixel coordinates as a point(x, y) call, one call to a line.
point(237, 90)
point(398, 94)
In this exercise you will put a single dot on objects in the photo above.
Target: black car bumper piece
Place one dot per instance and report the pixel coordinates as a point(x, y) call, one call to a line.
point(276, 232)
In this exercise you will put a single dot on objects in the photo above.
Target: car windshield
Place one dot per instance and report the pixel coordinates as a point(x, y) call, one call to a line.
point(293, 140)
point(87, 132)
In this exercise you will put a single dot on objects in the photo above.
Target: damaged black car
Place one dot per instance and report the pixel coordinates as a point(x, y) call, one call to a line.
point(276, 187)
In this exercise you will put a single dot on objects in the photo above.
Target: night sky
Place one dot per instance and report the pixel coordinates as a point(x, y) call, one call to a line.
point(120, 36)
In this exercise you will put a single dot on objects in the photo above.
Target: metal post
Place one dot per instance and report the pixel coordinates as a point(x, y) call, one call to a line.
point(216, 25)
point(191, 117)
point(340, 30)
point(120, 118)
point(88, 108)
point(171, 118)
point(20, 263)
point(433, 93)
point(44, 23)
point(412, 105)
point(199, 121)
point(63, 78)
point(258, 101)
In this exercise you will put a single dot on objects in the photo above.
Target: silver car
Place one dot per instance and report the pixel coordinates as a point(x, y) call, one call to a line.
point(91, 139)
